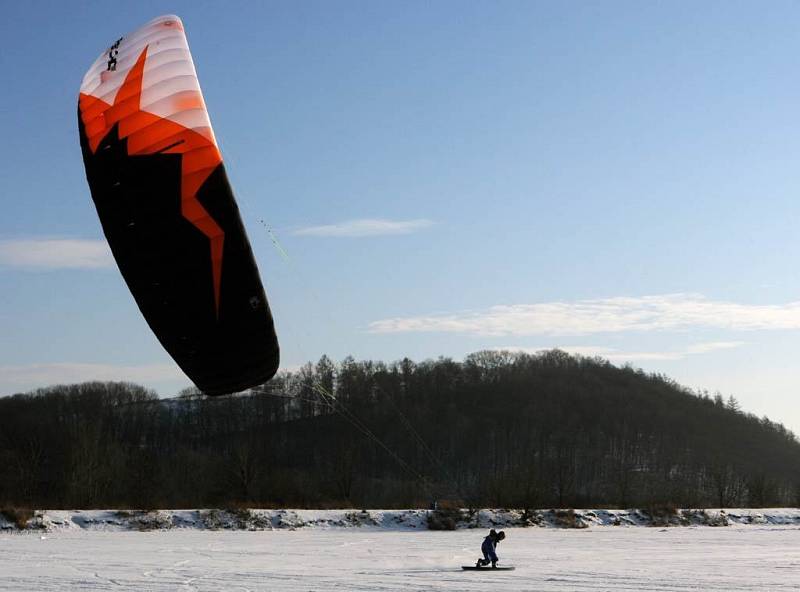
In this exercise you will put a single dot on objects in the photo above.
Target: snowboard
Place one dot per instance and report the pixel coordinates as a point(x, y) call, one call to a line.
point(498, 568)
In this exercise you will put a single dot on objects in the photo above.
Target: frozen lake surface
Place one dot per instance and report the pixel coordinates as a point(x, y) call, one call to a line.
point(609, 558)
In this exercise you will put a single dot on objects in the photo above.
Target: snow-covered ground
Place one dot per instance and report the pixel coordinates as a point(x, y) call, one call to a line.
point(255, 519)
point(755, 558)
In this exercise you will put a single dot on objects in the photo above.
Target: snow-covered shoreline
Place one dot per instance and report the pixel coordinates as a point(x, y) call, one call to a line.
point(411, 519)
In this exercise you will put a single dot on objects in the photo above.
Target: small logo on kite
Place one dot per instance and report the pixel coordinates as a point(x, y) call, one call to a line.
point(113, 52)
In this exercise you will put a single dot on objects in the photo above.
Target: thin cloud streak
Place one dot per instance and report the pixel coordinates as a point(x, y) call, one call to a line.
point(26, 377)
point(365, 227)
point(615, 355)
point(666, 312)
point(55, 253)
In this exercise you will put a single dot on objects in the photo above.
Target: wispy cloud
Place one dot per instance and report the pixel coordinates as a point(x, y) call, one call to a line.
point(615, 355)
point(711, 346)
point(55, 253)
point(365, 227)
point(25, 377)
point(611, 315)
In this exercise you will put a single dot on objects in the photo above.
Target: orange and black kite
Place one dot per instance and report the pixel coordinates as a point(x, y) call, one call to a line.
point(167, 210)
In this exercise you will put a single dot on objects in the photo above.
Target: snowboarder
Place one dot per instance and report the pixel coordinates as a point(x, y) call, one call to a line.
point(488, 548)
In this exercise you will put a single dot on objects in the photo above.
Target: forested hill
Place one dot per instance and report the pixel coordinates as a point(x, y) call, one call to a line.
point(496, 430)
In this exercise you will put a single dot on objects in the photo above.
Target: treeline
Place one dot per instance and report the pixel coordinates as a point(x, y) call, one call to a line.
point(498, 429)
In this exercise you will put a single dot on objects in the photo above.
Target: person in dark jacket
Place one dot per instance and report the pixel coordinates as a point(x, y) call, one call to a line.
point(489, 548)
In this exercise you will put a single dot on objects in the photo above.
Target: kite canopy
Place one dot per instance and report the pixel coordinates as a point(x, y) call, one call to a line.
point(161, 192)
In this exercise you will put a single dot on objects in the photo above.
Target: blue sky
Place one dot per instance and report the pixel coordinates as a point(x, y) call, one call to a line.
point(618, 178)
